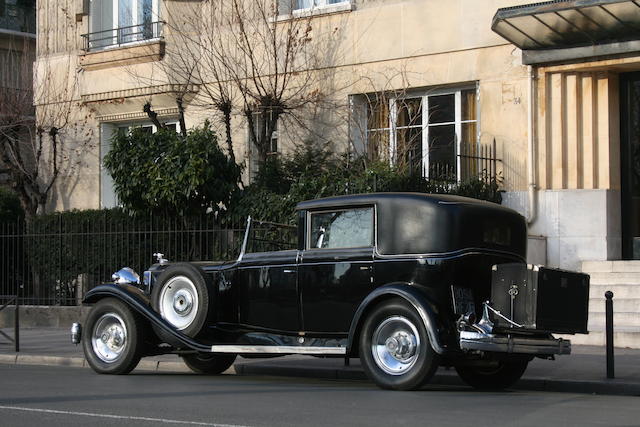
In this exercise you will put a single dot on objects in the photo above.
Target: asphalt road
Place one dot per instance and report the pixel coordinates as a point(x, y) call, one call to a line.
point(58, 396)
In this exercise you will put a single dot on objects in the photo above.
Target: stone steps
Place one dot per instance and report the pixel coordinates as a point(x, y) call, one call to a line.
point(623, 279)
point(619, 319)
point(625, 291)
point(629, 305)
point(629, 338)
point(615, 279)
point(611, 267)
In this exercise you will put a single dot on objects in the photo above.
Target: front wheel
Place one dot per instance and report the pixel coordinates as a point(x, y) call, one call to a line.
point(114, 338)
point(212, 364)
point(496, 377)
point(394, 347)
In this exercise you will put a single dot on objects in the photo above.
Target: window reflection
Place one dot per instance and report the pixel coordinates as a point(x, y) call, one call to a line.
point(351, 228)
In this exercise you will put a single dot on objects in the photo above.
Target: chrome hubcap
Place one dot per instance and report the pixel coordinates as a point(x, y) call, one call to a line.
point(109, 337)
point(395, 345)
point(179, 302)
point(182, 302)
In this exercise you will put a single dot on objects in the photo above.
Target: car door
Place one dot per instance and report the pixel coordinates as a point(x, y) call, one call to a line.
point(336, 269)
point(268, 292)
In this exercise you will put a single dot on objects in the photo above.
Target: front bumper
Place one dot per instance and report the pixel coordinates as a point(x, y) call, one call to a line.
point(513, 344)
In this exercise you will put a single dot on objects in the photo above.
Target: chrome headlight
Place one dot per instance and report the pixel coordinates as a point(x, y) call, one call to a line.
point(126, 276)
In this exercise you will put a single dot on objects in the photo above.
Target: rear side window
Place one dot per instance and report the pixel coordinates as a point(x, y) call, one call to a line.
point(346, 228)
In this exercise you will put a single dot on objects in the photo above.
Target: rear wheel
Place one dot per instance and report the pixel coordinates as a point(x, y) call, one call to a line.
point(496, 377)
point(394, 347)
point(113, 341)
point(209, 363)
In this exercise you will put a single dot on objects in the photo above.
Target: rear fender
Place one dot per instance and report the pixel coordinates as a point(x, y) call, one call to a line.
point(139, 302)
point(411, 295)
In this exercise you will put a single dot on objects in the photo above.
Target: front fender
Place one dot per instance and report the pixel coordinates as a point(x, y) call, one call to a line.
point(139, 301)
point(410, 294)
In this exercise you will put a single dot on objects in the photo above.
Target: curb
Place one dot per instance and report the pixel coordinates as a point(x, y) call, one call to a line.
point(615, 387)
point(80, 362)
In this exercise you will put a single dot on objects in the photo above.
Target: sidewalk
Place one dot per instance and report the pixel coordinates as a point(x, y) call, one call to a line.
point(584, 371)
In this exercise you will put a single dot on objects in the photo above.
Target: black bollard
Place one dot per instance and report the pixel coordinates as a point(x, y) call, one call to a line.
point(16, 326)
point(609, 332)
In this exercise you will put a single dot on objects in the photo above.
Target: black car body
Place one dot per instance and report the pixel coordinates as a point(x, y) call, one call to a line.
point(401, 280)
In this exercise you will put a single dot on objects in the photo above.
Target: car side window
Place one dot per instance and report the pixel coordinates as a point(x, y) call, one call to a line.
point(347, 228)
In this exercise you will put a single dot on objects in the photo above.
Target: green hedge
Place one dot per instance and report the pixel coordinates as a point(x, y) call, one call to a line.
point(171, 173)
point(313, 173)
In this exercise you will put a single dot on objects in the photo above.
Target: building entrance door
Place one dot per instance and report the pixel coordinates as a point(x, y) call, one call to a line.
point(630, 163)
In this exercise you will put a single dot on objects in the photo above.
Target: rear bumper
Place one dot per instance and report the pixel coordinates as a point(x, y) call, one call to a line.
point(513, 344)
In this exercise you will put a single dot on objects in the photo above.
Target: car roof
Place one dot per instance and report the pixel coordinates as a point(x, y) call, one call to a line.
point(377, 198)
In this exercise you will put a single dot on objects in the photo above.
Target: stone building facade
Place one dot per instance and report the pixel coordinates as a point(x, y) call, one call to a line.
point(562, 113)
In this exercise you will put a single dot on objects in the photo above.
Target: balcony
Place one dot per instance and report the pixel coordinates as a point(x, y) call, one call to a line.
point(123, 46)
point(122, 36)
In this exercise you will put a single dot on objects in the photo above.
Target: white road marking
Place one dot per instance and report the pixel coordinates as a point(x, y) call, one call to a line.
point(118, 417)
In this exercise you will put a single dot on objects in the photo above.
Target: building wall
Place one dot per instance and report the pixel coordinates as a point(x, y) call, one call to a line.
point(17, 51)
point(578, 130)
point(391, 45)
point(578, 161)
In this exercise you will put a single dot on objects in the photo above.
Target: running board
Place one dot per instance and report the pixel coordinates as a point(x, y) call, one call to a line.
point(277, 349)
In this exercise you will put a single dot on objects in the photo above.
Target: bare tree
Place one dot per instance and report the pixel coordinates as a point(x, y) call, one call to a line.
point(258, 60)
point(32, 145)
point(246, 59)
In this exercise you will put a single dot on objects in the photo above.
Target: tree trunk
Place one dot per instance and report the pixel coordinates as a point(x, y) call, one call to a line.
point(227, 126)
point(183, 124)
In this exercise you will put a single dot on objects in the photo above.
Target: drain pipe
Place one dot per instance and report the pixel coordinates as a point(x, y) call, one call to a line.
point(533, 208)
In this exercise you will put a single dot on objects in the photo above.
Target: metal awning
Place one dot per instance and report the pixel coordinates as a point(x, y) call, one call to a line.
point(569, 24)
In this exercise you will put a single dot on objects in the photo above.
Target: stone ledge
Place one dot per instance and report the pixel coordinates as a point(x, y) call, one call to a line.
point(44, 316)
point(126, 55)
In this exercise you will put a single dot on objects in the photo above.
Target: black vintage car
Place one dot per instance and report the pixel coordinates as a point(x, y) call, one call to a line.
point(406, 282)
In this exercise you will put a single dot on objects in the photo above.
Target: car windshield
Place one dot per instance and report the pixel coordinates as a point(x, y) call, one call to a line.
point(270, 236)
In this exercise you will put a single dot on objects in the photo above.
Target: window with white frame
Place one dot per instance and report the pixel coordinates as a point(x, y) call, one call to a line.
point(260, 128)
point(108, 197)
point(117, 22)
point(309, 4)
point(428, 132)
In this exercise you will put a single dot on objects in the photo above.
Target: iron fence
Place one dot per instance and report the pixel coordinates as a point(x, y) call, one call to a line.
point(473, 161)
point(56, 259)
point(56, 262)
point(479, 161)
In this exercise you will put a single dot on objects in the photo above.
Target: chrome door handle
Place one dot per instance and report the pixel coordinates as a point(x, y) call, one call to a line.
point(289, 271)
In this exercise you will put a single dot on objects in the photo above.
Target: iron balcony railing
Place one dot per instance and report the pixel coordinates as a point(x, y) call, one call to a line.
point(122, 36)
